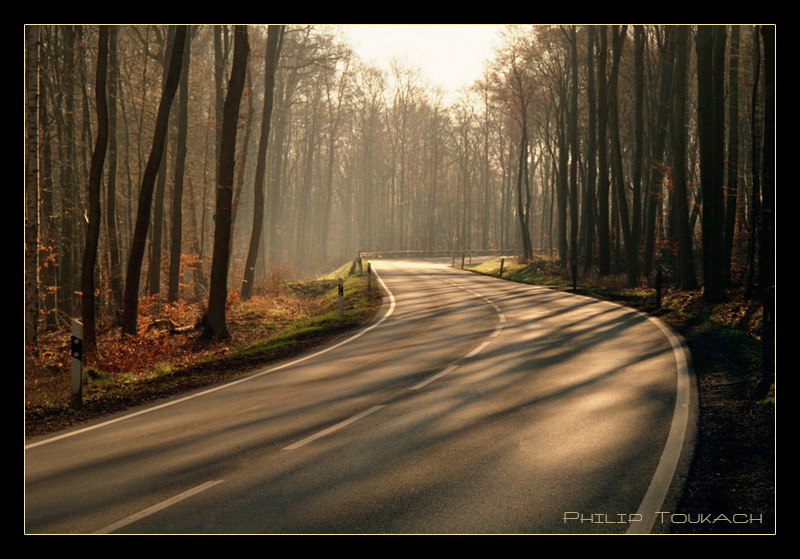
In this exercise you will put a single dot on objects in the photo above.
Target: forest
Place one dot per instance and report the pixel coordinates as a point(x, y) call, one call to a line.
point(189, 163)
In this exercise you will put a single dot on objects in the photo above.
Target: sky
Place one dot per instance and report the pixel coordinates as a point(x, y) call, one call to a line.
point(449, 55)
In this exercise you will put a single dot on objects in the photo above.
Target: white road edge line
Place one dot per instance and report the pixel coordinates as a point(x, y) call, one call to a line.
point(158, 507)
point(668, 463)
point(662, 479)
point(334, 428)
point(392, 305)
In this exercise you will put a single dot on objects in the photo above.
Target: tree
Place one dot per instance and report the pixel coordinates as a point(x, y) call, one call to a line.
point(32, 34)
point(631, 246)
point(215, 325)
point(176, 233)
point(767, 247)
point(95, 178)
point(654, 197)
point(731, 185)
point(138, 242)
point(687, 278)
point(710, 47)
point(572, 128)
point(111, 186)
point(274, 38)
point(603, 184)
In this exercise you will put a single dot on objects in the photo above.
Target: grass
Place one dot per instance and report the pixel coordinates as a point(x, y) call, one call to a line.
point(127, 371)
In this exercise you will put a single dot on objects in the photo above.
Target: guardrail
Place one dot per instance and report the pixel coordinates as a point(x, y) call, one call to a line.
point(434, 253)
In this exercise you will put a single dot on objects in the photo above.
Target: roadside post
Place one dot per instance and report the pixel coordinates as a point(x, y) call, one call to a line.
point(659, 273)
point(502, 261)
point(369, 276)
point(341, 298)
point(76, 350)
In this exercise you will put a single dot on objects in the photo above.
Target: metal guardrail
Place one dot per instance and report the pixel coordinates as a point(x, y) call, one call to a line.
point(435, 253)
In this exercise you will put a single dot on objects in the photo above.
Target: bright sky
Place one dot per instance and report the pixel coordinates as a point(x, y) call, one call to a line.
point(449, 55)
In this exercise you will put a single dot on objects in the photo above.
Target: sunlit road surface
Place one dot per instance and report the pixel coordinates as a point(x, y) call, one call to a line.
point(469, 405)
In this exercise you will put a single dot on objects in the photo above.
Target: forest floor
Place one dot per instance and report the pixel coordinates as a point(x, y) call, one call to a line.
point(732, 471)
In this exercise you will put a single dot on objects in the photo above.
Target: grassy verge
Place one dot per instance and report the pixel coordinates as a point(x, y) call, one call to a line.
point(160, 362)
point(733, 470)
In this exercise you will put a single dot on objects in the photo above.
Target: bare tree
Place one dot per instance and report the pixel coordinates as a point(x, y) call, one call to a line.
point(32, 33)
point(95, 178)
point(138, 243)
point(176, 233)
point(274, 38)
point(215, 325)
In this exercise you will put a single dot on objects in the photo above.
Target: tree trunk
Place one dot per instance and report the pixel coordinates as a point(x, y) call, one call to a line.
point(156, 241)
point(95, 180)
point(138, 243)
point(32, 184)
point(572, 128)
point(589, 206)
point(215, 326)
point(767, 232)
point(653, 199)
point(755, 195)
point(112, 229)
point(710, 107)
point(274, 38)
point(603, 185)
point(176, 234)
point(638, 156)
point(631, 246)
point(527, 252)
point(687, 278)
point(732, 187)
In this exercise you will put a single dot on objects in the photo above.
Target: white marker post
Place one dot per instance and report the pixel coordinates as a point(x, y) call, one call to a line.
point(76, 349)
point(341, 298)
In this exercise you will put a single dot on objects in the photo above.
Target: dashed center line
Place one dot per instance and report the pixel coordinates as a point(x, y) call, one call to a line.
point(450, 368)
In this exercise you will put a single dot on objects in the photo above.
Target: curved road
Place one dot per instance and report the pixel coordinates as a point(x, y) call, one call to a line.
point(469, 405)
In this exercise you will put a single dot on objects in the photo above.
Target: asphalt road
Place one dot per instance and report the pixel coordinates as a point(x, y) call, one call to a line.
point(469, 405)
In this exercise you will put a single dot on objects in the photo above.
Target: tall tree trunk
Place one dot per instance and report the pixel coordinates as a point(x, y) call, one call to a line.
point(32, 43)
point(154, 275)
point(523, 203)
point(638, 156)
point(710, 107)
point(274, 39)
point(589, 206)
point(631, 246)
point(687, 277)
point(112, 229)
point(732, 187)
point(755, 195)
point(653, 199)
point(767, 232)
point(95, 180)
point(176, 234)
point(138, 243)
point(572, 128)
point(215, 324)
point(603, 185)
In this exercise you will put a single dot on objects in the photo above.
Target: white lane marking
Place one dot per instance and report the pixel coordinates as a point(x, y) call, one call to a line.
point(432, 378)
point(477, 350)
point(670, 456)
point(158, 507)
point(334, 428)
point(392, 305)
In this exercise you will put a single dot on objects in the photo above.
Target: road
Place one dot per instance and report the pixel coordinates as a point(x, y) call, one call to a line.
point(468, 405)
